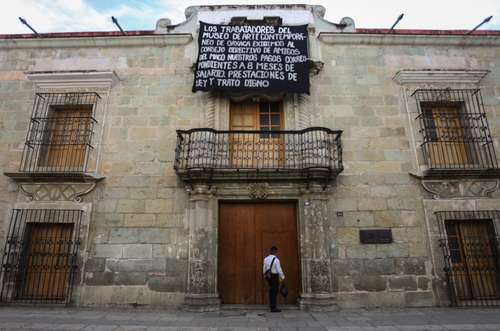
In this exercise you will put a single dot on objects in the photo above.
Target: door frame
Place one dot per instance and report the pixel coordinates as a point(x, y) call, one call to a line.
point(312, 206)
point(245, 200)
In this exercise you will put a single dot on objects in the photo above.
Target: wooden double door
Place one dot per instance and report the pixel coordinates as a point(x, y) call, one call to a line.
point(474, 259)
point(246, 233)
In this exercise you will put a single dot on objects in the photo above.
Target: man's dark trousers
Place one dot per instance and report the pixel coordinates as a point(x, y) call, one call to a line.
point(274, 284)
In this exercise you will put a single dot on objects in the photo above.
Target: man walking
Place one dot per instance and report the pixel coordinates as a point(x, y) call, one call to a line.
point(273, 274)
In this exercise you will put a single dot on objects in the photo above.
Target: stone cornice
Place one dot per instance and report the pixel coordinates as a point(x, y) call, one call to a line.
point(174, 39)
point(410, 76)
point(73, 79)
point(413, 40)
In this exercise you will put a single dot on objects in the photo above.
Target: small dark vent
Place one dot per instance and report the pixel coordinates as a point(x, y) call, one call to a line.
point(267, 20)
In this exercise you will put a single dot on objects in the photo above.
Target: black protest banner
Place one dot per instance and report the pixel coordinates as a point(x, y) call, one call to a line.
point(261, 57)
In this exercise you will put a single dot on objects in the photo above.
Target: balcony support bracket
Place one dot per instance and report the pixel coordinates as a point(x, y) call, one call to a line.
point(57, 187)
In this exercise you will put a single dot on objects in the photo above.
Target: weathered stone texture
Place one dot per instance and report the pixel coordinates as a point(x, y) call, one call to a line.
point(137, 251)
point(370, 283)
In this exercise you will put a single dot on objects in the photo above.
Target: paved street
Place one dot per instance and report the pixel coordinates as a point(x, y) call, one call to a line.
point(28, 318)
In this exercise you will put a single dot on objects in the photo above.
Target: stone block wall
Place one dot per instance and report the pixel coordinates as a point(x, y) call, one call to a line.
point(16, 100)
point(137, 247)
point(394, 274)
point(356, 93)
point(139, 252)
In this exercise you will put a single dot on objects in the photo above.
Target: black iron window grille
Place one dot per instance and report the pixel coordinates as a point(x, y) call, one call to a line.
point(455, 131)
point(60, 134)
point(470, 245)
point(308, 154)
point(40, 257)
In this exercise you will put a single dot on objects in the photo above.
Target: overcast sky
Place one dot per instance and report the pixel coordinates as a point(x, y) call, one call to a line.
point(94, 15)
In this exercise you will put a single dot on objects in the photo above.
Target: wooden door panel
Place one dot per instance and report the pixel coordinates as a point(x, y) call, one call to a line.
point(286, 243)
point(251, 151)
point(243, 116)
point(67, 138)
point(480, 260)
point(260, 226)
point(445, 154)
point(450, 148)
point(236, 254)
point(277, 226)
point(47, 259)
point(474, 266)
point(270, 153)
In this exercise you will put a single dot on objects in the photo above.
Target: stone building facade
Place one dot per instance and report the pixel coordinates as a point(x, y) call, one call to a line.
point(129, 223)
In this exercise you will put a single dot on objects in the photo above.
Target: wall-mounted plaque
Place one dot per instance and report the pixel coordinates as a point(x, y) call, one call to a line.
point(375, 236)
point(252, 57)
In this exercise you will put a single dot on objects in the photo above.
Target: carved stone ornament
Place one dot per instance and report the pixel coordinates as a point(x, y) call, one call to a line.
point(258, 190)
point(56, 192)
point(461, 188)
point(320, 279)
point(417, 76)
point(73, 79)
point(199, 276)
point(199, 189)
point(315, 67)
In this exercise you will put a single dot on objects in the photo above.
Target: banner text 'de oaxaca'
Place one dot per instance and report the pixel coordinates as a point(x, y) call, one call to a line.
point(261, 57)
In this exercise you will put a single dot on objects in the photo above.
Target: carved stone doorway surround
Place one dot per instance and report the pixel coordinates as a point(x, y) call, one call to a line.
point(313, 236)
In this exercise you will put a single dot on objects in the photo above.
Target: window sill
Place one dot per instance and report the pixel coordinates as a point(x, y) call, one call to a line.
point(54, 177)
point(458, 173)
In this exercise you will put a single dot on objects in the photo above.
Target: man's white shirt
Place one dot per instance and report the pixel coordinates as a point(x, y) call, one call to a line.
point(276, 269)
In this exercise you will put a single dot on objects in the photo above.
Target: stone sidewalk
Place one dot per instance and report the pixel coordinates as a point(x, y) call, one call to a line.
point(44, 318)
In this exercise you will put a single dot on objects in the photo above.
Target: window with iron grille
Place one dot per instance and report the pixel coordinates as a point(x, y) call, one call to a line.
point(40, 256)
point(470, 245)
point(455, 130)
point(60, 134)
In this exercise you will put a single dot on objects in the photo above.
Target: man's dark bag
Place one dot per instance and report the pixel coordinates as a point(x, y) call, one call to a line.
point(284, 290)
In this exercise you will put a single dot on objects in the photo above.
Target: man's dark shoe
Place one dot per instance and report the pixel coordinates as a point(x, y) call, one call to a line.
point(275, 310)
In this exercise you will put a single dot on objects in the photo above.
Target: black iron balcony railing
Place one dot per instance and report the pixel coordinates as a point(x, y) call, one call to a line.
point(455, 132)
point(313, 153)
